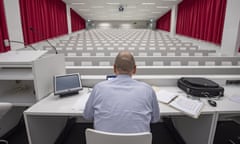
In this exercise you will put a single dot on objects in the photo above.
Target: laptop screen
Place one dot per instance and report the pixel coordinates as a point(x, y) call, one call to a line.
point(66, 84)
point(110, 77)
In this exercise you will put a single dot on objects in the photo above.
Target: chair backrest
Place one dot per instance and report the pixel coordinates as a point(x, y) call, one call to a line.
point(4, 108)
point(100, 137)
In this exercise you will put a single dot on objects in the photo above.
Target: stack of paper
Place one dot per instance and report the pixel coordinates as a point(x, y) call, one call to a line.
point(188, 106)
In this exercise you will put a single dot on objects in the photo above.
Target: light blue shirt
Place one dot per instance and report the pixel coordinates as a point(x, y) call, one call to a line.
point(122, 105)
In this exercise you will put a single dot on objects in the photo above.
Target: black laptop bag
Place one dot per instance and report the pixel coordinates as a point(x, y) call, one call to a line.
point(200, 87)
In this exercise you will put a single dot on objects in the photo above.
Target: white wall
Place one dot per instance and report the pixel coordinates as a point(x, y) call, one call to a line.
point(231, 36)
point(121, 24)
point(12, 12)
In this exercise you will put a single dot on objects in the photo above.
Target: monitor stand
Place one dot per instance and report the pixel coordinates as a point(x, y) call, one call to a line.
point(69, 94)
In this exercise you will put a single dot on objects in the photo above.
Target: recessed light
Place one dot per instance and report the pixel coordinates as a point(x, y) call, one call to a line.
point(162, 7)
point(148, 3)
point(78, 3)
point(96, 7)
point(113, 3)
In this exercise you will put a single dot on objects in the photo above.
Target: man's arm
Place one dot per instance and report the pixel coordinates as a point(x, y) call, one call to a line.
point(156, 111)
point(89, 108)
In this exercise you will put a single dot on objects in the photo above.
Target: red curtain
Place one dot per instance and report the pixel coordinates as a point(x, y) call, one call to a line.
point(201, 19)
point(77, 21)
point(43, 19)
point(3, 29)
point(163, 22)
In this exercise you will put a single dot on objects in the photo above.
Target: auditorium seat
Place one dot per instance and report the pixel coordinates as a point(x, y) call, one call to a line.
point(86, 63)
point(158, 63)
point(69, 63)
point(71, 54)
point(104, 63)
point(193, 63)
point(210, 63)
point(86, 54)
point(226, 63)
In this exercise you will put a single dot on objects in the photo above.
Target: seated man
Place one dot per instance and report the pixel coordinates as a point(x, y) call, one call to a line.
point(122, 105)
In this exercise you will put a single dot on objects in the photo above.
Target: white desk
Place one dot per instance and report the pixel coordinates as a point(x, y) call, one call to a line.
point(20, 57)
point(45, 119)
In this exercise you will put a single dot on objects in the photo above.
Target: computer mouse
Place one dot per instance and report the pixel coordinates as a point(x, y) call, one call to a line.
point(212, 103)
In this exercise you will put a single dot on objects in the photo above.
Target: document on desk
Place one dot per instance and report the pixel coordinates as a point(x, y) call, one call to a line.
point(81, 102)
point(188, 106)
point(166, 96)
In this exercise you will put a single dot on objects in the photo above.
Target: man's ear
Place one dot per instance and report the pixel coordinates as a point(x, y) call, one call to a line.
point(115, 69)
point(134, 70)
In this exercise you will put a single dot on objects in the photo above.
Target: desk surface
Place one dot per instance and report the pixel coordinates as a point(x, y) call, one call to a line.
point(20, 57)
point(64, 106)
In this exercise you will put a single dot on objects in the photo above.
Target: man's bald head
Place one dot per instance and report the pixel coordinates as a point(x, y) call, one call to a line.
point(125, 63)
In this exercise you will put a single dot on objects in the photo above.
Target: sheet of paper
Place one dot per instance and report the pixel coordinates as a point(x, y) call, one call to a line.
point(166, 96)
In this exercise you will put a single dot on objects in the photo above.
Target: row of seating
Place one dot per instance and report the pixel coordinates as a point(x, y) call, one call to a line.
point(93, 52)
point(155, 61)
point(139, 42)
point(159, 70)
point(127, 43)
point(140, 37)
point(123, 34)
point(117, 48)
point(137, 51)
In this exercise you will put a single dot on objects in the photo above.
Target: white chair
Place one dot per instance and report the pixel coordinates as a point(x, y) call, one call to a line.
point(4, 108)
point(100, 137)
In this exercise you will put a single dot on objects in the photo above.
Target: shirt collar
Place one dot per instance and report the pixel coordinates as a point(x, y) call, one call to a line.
point(123, 76)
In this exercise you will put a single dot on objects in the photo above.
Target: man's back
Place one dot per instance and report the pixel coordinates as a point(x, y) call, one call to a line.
point(122, 105)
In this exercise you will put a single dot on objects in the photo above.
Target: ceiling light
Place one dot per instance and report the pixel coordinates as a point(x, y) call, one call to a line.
point(156, 12)
point(96, 7)
point(162, 7)
point(148, 3)
point(78, 3)
point(113, 3)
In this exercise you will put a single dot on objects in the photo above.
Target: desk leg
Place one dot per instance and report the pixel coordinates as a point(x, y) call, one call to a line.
point(44, 129)
point(195, 131)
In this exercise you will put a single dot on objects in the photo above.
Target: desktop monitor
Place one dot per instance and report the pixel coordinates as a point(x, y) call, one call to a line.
point(67, 84)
